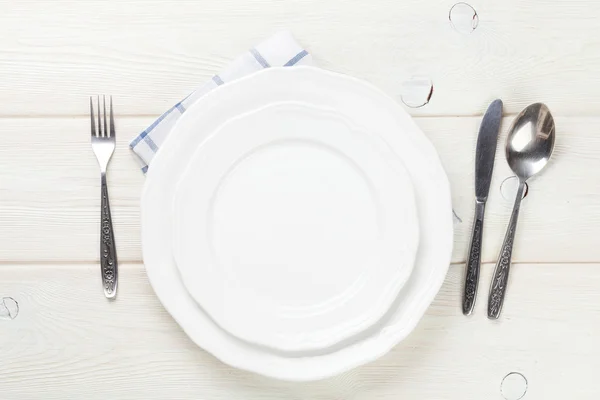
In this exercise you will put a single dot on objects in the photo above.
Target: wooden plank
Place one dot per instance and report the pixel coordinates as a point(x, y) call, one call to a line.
point(49, 202)
point(151, 54)
point(68, 341)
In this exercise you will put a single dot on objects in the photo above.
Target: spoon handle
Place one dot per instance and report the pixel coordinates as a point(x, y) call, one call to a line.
point(500, 278)
point(473, 261)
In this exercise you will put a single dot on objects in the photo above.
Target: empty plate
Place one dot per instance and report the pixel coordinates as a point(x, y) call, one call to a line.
point(294, 228)
point(356, 100)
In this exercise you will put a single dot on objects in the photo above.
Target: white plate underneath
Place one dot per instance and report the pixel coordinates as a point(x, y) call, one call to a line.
point(367, 106)
point(293, 228)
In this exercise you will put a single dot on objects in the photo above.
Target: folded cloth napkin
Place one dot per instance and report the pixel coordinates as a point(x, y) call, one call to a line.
point(277, 51)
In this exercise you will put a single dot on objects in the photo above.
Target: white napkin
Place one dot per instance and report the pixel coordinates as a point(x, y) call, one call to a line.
point(279, 50)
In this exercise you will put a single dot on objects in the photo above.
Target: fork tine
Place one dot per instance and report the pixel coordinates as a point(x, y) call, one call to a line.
point(99, 117)
point(92, 117)
point(112, 120)
point(105, 128)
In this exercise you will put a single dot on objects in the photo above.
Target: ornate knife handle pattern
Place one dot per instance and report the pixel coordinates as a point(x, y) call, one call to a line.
point(500, 278)
point(473, 261)
point(108, 253)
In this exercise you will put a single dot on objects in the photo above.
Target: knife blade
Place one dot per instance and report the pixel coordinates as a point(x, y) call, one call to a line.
point(485, 153)
point(486, 149)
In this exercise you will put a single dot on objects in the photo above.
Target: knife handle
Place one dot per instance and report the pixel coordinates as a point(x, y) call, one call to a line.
point(473, 261)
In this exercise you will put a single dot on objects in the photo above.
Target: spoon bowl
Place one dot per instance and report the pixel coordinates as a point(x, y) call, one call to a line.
point(530, 141)
point(528, 148)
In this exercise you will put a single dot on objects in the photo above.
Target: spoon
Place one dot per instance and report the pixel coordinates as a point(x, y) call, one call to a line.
point(528, 148)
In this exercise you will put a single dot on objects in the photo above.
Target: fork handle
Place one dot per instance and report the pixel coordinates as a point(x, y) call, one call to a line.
point(108, 252)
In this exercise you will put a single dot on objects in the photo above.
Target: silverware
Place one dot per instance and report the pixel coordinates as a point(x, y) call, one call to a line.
point(103, 145)
point(528, 148)
point(484, 165)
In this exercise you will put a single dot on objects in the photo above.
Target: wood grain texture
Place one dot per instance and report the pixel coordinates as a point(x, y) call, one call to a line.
point(150, 54)
point(50, 191)
point(68, 341)
point(50, 201)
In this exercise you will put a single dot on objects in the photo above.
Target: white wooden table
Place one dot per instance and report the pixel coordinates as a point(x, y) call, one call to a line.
point(68, 342)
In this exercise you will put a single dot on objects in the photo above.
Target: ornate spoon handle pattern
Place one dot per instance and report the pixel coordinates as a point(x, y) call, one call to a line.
point(500, 278)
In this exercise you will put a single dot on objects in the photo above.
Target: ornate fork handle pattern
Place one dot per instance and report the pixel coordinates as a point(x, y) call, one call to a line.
point(108, 253)
point(500, 278)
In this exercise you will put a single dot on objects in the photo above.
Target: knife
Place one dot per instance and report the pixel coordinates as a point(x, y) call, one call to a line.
point(484, 165)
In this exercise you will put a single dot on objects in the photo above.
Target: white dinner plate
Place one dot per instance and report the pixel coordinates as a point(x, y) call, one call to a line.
point(357, 100)
point(293, 228)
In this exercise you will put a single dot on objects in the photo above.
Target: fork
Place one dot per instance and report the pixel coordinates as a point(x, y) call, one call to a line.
point(103, 145)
